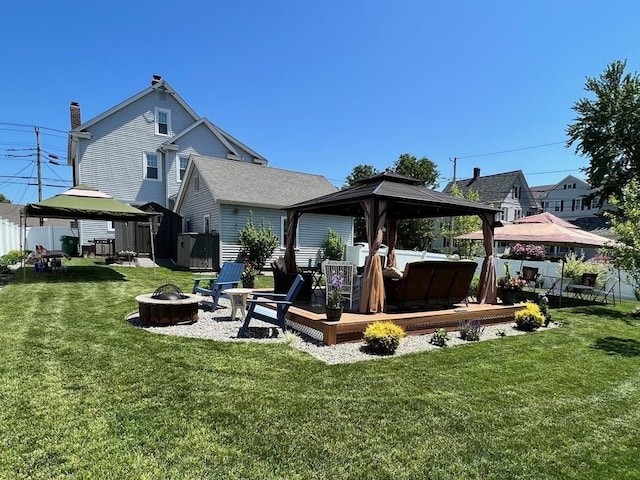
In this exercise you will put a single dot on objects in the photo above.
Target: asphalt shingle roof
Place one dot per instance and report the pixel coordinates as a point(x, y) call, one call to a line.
point(490, 188)
point(232, 181)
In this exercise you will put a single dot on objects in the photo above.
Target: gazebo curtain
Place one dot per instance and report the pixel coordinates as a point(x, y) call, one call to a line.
point(392, 238)
point(487, 290)
point(290, 253)
point(372, 297)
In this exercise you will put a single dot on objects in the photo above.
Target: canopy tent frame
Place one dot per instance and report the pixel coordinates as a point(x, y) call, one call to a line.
point(83, 202)
point(385, 199)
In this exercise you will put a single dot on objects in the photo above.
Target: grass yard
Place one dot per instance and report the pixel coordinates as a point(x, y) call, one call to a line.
point(86, 395)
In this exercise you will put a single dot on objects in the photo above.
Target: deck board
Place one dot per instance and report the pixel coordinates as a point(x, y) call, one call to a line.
point(352, 325)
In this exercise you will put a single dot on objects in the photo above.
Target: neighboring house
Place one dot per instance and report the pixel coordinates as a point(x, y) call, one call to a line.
point(508, 191)
point(220, 195)
point(566, 199)
point(137, 151)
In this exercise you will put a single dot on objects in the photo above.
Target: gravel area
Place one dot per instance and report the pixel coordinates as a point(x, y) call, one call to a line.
point(220, 327)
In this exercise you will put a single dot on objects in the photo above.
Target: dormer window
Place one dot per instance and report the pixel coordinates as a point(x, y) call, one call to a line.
point(163, 121)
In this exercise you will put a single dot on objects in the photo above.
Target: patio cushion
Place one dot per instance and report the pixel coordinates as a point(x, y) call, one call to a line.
point(429, 284)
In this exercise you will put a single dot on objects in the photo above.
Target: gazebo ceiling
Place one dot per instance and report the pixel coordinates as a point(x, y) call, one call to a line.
point(405, 196)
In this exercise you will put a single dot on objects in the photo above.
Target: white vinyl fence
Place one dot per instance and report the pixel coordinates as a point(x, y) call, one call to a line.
point(9, 236)
point(48, 237)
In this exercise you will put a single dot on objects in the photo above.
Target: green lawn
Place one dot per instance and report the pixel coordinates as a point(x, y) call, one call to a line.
point(85, 395)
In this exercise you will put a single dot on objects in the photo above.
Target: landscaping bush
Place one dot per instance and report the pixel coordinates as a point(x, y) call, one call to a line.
point(333, 246)
point(257, 244)
point(383, 338)
point(474, 286)
point(575, 266)
point(530, 317)
point(440, 338)
point(470, 331)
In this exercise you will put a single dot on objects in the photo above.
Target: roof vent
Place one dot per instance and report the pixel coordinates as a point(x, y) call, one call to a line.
point(156, 79)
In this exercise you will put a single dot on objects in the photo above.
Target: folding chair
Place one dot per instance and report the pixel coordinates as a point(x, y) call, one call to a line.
point(607, 289)
point(229, 277)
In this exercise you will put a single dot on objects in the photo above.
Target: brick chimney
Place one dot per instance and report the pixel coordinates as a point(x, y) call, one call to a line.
point(156, 79)
point(476, 173)
point(74, 109)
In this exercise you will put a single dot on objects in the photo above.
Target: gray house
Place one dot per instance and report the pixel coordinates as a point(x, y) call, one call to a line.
point(137, 151)
point(220, 195)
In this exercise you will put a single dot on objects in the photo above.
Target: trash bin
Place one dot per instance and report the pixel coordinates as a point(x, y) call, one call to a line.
point(70, 245)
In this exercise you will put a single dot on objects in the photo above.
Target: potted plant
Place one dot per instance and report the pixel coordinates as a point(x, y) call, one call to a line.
point(508, 286)
point(249, 275)
point(334, 298)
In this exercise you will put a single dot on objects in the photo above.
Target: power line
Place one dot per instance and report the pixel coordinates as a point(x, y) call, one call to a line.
point(512, 150)
point(31, 126)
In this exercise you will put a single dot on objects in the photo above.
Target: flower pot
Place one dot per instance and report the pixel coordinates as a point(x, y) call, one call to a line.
point(508, 296)
point(249, 283)
point(334, 313)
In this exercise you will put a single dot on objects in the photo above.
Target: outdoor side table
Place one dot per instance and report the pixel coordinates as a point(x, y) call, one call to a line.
point(316, 276)
point(238, 298)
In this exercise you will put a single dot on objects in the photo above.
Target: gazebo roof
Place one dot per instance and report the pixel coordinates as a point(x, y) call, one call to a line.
point(406, 197)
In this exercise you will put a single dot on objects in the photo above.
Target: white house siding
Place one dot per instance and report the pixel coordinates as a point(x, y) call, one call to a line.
point(567, 197)
point(112, 160)
point(312, 231)
point(199, 204)
point(199, 141)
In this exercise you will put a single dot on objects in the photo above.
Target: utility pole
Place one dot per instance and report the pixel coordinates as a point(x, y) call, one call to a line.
point(39, 164)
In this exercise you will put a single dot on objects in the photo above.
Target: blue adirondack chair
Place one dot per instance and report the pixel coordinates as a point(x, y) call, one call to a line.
point(276, 317)
point(229, 277)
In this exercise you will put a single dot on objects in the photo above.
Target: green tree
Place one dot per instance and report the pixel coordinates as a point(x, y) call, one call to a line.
point(257, 244)
point(462, 225)
point(416, 233)
point(333, 246)
point(360, 172)
point(626, 224)
point(4, 199)
point(607, 129)
point(423, 169)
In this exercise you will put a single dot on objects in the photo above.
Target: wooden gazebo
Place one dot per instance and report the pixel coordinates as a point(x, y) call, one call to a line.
point(383, 200)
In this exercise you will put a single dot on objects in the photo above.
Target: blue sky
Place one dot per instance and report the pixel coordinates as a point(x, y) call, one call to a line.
point(319, 86)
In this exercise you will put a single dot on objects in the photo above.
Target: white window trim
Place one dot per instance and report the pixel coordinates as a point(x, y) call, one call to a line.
point(155, 121)
point(283, 245)
point(144, 166)
point(206, 217)
point(111, 226)
point(178, 157)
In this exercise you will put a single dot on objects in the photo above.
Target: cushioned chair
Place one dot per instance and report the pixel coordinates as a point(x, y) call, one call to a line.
point(283, 280)
point(229, 277)
point(430, 284)
point(275, 316)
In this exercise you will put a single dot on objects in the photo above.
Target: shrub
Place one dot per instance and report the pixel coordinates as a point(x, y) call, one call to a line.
point(530, 317)
point(474, 286)
point(440, 338)
point(333, 246)
point(575, 266)
point(383, 338)
point(470, 331)
point(257, 244)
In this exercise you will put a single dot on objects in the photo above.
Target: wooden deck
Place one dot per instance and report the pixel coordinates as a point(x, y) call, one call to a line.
point(351, 326)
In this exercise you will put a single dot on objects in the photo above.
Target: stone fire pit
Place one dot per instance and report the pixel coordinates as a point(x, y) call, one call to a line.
point(168, 305)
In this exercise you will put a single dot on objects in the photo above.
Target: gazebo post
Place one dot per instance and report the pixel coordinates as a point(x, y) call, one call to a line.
point(487, 289)
point(290, 253)
point(372, 298)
